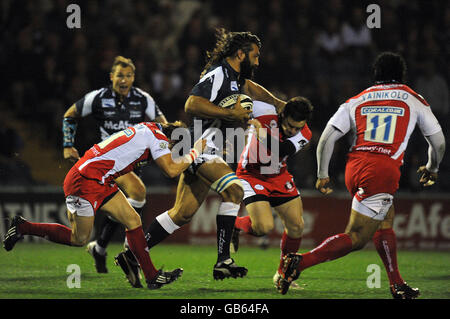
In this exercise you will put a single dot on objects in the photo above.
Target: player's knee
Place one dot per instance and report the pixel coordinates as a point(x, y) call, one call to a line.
point(233, 194)
point(133, 221)
point(181, 217)
point(138, 192)
point(79, 239)
point(295, 230)
point(262, 227)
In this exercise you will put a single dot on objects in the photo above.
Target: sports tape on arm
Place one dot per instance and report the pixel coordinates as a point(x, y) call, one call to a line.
point(190, 157)
point(69, 129)
point(325, 149)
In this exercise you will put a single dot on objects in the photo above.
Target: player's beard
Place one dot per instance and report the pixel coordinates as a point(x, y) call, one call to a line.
point(247, 70)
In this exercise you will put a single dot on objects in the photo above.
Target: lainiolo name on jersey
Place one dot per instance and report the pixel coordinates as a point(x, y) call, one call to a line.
point(386, 95)
point(119, 125)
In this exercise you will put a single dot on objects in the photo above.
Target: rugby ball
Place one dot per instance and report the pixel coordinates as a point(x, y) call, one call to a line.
point(230, 101)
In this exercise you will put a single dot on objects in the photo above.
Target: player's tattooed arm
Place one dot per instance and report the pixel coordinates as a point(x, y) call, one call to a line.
point(259, 93)
point(69, 130)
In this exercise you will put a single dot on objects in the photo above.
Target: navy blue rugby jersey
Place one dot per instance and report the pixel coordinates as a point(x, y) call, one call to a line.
point(112, 114)
point(219, 82)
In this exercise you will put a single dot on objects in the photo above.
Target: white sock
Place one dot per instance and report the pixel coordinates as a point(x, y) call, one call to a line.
point(228, 209)
point(136, 203)
point(167, 223)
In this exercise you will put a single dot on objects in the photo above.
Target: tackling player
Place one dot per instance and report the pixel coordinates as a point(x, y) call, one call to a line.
point(228, 71)
point(114, 108)
point(90, 185)
point(382, 119)
point(274, 187)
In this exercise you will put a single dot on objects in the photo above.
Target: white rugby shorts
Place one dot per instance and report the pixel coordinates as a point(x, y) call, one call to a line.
point(79, 206)
point(375, 206)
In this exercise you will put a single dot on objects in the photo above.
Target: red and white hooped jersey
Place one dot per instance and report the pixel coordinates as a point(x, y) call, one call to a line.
point(119, 153)
point(383, 118)
point(255, 158)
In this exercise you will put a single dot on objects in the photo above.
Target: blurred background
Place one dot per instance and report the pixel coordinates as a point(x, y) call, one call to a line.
point(319, 49)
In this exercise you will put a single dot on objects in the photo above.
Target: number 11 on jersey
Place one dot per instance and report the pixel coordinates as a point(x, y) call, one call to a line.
point(381, 123)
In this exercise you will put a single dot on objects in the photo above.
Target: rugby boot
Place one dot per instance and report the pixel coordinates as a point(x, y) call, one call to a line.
point(130, 267)
point(99, 259)
point(289, 273)
point(12, 235)
point(164, 278)
point(228, 268)
point(404, 291)
point(277, 277)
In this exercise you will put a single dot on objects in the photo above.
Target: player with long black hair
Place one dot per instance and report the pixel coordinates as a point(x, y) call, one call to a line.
point(382, 119)
point(228, 71)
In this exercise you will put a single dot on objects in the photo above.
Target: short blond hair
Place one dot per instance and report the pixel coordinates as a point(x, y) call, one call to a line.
point(123, 62)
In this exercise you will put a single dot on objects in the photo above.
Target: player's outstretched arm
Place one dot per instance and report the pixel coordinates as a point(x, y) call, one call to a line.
point(259, 93)
point(172, 168)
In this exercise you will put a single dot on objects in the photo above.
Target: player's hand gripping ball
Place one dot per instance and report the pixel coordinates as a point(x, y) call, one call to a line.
point(230, 101)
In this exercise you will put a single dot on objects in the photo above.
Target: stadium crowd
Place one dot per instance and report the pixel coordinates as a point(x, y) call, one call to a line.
point(317, 49)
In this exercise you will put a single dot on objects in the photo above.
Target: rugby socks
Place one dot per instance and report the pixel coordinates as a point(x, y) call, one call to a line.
point(386, 245)
point(244, 224)
point(106, 233)
point(331, 248)
point(288, 245)
point(110, 226)
point(225, 220)
point(138, 247)
point(160, 229)
point(56, 233)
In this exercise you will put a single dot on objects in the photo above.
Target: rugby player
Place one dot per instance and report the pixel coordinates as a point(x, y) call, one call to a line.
point(274, 187)
point(90, 185)
point(114, 108)
point(382, 119)
point(228, 71)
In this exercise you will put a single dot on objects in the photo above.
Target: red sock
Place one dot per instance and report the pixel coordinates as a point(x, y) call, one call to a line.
point(386, 245)
point(244, 224)
point(331, 248)
point(54, 232)
point(138, 246)
point(288, 245)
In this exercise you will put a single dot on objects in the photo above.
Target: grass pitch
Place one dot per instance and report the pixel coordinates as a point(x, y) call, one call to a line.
point(41, 271)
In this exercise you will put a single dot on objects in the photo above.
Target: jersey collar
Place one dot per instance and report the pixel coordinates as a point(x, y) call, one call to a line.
point(229, 68)
point(114, 92)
